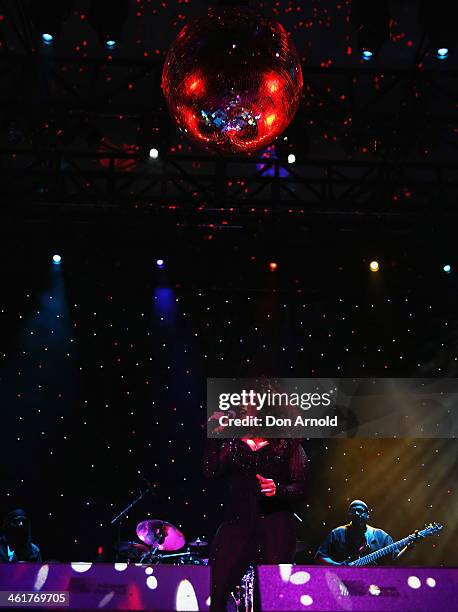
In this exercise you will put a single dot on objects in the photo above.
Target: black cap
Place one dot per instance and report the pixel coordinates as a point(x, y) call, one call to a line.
point(358, 502)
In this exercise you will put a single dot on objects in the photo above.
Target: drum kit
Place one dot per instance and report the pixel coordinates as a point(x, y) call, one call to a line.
point(159, 542)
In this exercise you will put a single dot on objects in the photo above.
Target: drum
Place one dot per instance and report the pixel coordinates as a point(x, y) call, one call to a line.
point(184, 558)
point(193, 559)
point(131, 551)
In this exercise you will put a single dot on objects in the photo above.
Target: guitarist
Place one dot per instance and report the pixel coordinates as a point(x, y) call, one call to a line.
point(355, 539)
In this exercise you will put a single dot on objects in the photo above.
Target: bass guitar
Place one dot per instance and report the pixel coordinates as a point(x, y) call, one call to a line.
point(429, 530)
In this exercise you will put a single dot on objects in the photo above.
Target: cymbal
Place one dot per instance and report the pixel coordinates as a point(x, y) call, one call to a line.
point(198, 542)
point(161, 534)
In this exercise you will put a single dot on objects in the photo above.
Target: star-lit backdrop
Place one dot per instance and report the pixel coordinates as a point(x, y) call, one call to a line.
point(104, 362)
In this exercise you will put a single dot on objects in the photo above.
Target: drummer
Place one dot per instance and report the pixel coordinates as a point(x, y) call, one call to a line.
point(160, 540)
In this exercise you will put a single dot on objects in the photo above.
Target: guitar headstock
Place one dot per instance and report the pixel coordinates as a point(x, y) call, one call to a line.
point(429, 530)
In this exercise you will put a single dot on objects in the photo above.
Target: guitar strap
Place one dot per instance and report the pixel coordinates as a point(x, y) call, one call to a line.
point(369, 536)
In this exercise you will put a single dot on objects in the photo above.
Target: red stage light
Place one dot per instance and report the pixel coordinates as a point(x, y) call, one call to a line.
point(273, 266)
point(232, 80)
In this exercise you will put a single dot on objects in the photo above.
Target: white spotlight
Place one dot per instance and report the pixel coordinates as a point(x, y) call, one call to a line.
point(374, 266)
point(153, 153)
point(291, 158)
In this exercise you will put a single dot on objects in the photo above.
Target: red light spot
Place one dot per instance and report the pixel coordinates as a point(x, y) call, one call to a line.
point(273, 85)
point(194, 84)
point(273, 266)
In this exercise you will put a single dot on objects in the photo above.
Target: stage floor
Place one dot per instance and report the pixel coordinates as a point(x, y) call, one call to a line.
point(121, 586)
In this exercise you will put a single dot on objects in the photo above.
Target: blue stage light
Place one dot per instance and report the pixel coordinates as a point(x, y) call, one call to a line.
point(160, 263)
point(367, 54)
point(442, 53)
point(447, 268)
point(110, 43)
point(47, 38)
point(56, 259)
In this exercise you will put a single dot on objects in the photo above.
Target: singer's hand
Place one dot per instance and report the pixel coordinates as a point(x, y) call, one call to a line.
point(216, 416)
point(268, 486)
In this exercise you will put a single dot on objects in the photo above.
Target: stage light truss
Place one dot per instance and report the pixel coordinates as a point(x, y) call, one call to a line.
point(225, 187)
point(42, 168)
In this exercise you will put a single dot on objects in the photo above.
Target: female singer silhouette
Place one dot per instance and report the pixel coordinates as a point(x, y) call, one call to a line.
point(262, 477)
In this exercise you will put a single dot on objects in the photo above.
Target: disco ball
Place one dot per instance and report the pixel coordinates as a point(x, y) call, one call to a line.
point(232, 80)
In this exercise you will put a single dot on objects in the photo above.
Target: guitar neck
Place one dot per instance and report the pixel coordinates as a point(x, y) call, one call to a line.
point(377, 554)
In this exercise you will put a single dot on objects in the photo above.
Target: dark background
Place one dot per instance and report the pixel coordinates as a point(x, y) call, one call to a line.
point(104, 360)
point(103, 378)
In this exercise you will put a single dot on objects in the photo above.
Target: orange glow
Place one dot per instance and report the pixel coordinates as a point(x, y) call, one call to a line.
point(273, 86)
point(272, 82)
point(270, 119)
point(374, 266)
point(194, 84)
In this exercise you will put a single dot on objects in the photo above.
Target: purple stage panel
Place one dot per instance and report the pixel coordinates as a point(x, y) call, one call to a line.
point(329, 588)
point(117, 586)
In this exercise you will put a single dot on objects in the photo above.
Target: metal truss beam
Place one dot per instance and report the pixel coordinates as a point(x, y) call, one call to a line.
point(184, 182)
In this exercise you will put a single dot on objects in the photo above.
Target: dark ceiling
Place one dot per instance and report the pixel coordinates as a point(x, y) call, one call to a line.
point(375, 142)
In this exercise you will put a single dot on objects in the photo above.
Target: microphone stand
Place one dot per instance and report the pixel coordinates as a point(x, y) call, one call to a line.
point(118, 518)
